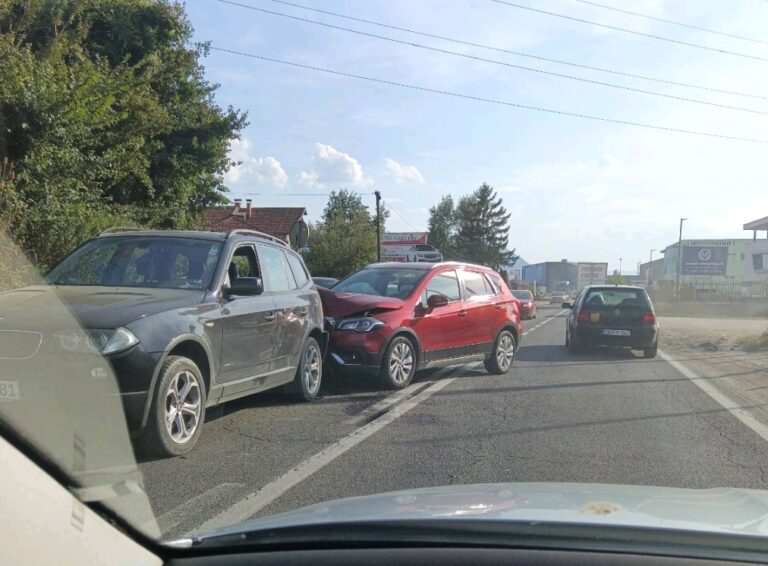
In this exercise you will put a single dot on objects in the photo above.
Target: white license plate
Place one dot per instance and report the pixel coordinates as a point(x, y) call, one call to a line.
point(610, 332)
point(9, 390)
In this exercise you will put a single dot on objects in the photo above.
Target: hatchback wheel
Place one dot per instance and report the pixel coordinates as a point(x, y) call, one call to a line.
point(503, 354)
point(399, 364)
point(178, 409)
point(309, 374)
point(652, 351)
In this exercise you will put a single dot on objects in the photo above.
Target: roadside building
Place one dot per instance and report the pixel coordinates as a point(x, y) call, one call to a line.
point(286, 223)
point(552, 276)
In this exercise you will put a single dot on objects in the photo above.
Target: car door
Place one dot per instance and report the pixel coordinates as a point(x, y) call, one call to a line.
point(291, 309)
point(441, 330)
point(481, 314)
point(249, 326)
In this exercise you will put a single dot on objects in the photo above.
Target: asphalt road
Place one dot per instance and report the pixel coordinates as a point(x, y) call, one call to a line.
point(604, 417)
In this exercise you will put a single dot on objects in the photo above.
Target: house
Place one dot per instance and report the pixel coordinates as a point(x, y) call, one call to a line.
point(280, 222)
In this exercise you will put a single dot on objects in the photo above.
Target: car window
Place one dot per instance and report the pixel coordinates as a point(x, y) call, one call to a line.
point(139, 262)
point(475, 284)
point(522, 295)
point(445, 283)
point(242, 264)
point(277, 274)
point(608, 297)
point(397, 282)
point(493, 287)
point(297, 268)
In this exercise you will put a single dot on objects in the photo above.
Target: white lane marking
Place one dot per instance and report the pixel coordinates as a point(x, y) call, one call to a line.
point(550, 319)
point(193, 507)
point(252, 504)
point(732, 406)
point(385, 403)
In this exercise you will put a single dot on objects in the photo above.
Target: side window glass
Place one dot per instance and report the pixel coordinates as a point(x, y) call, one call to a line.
point(298, 269)
point(445, 283)
point(492, 284)
point(243, 264)
point(277, 275)
point(474, 284)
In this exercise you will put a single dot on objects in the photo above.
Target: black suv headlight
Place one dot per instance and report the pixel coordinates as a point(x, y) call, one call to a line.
point(95, 341)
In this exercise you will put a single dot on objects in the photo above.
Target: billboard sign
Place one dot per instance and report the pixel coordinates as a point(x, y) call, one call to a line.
point(705, 260)
point(590, 273)
point(395, 245)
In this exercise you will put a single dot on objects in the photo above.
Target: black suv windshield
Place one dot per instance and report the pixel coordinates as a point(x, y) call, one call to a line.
point(395, 282)
point(161, 262)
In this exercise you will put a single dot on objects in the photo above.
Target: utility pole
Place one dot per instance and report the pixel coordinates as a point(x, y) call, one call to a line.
point(619, 267)
point(378, 225)
point(679, 258)
point(650, 266)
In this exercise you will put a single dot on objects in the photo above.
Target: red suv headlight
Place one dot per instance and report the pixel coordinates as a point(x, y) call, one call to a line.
point(360, 324)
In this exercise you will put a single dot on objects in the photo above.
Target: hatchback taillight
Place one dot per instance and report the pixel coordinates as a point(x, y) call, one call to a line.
point(649, 318)
point(583, 316)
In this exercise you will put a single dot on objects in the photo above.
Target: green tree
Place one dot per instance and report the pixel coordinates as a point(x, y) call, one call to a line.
point(344, 240)
point(483, 229)
point(442, 226)
point(105, 118)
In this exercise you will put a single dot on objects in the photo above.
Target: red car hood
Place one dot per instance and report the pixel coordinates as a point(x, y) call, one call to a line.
point(339, 305)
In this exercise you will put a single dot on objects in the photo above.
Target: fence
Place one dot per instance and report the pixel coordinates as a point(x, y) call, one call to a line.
point(712, 292)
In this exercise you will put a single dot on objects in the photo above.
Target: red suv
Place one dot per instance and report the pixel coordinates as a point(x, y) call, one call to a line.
point(391, 319)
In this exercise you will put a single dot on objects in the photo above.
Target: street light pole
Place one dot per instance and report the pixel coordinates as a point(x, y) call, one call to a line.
point(378, 225)
point(679, 258)
point(650, 266)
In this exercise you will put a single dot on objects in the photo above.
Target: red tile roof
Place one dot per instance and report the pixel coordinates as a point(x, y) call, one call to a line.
point(275, 221)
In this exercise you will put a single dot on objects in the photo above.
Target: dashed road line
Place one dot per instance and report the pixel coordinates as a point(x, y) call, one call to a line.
point(542, 323)
point(193, 507)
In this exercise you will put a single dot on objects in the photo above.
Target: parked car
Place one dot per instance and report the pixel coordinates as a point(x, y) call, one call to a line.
point(562, 298)
point(527, 303)
point(616, 316)
point(391, 319)
point(187, 320)
point(424, 252)
point(326, 282)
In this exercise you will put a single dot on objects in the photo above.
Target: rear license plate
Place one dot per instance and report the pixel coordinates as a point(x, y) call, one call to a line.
point(610, 332)
point(9, 390)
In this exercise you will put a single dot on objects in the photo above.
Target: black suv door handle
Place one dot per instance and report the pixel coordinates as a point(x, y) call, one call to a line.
point(269, 317)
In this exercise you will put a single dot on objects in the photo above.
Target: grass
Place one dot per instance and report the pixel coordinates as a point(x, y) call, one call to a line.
point(754, 343)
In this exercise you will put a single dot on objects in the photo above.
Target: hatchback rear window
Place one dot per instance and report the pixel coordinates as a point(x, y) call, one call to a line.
point(608, 297)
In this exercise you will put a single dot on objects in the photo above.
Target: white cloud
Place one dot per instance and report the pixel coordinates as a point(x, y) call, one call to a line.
point(331, 166)
point(253, 170)
point(403, 173)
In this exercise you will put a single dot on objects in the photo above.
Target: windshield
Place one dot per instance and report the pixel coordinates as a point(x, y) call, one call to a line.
point(501, 260)
point(169, 263)
point(395, 282)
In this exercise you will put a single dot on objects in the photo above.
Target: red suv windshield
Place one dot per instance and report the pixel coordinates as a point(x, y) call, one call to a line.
point(394, 282)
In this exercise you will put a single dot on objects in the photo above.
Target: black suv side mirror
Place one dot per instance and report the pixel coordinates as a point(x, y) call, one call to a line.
point(245, 286)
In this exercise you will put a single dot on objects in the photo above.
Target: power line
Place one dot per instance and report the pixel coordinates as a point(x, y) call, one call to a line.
point(633, 32)
point(493, 101)
point(401, 217)
point(502, 63)
point(512, 52)
point(671, 22)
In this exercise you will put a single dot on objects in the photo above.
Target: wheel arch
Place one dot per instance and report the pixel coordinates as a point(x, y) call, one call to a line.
point(408, 333)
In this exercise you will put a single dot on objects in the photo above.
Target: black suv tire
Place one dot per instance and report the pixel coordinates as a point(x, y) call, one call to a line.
point(187, 402)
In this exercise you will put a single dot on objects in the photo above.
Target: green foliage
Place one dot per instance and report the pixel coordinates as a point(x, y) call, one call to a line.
point(344, 241)
point(442, 227)
point(482, 233)
point(105, 118)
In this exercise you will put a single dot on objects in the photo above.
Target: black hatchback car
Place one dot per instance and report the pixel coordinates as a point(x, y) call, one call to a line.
point(616, 316)
point(185, 319)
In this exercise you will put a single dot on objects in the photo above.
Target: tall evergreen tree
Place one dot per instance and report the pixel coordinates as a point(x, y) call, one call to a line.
point(483, 229)
point(442, 226)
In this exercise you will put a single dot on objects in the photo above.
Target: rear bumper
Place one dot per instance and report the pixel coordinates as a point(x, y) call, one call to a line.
point(640, 337)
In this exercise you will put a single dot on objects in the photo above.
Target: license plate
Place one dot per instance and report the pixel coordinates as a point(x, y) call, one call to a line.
point(609, 332)
point(9, 390)
point(594, 316)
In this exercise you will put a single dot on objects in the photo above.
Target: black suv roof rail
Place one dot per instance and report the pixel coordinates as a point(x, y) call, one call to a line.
point(246, 232)
point(118, 229)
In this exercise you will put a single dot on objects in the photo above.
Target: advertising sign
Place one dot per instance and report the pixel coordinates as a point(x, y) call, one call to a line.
point(591, 274)
point(705, 260)
point(395, 245)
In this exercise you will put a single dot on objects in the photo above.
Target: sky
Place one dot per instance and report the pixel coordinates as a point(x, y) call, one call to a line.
point(577, 189)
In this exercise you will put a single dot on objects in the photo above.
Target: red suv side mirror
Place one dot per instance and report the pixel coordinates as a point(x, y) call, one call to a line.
point(435, 301)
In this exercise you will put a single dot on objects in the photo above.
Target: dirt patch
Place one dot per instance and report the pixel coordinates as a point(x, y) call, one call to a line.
point(713, 334)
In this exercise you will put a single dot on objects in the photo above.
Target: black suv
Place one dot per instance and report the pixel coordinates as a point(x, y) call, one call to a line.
point(187, 320)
